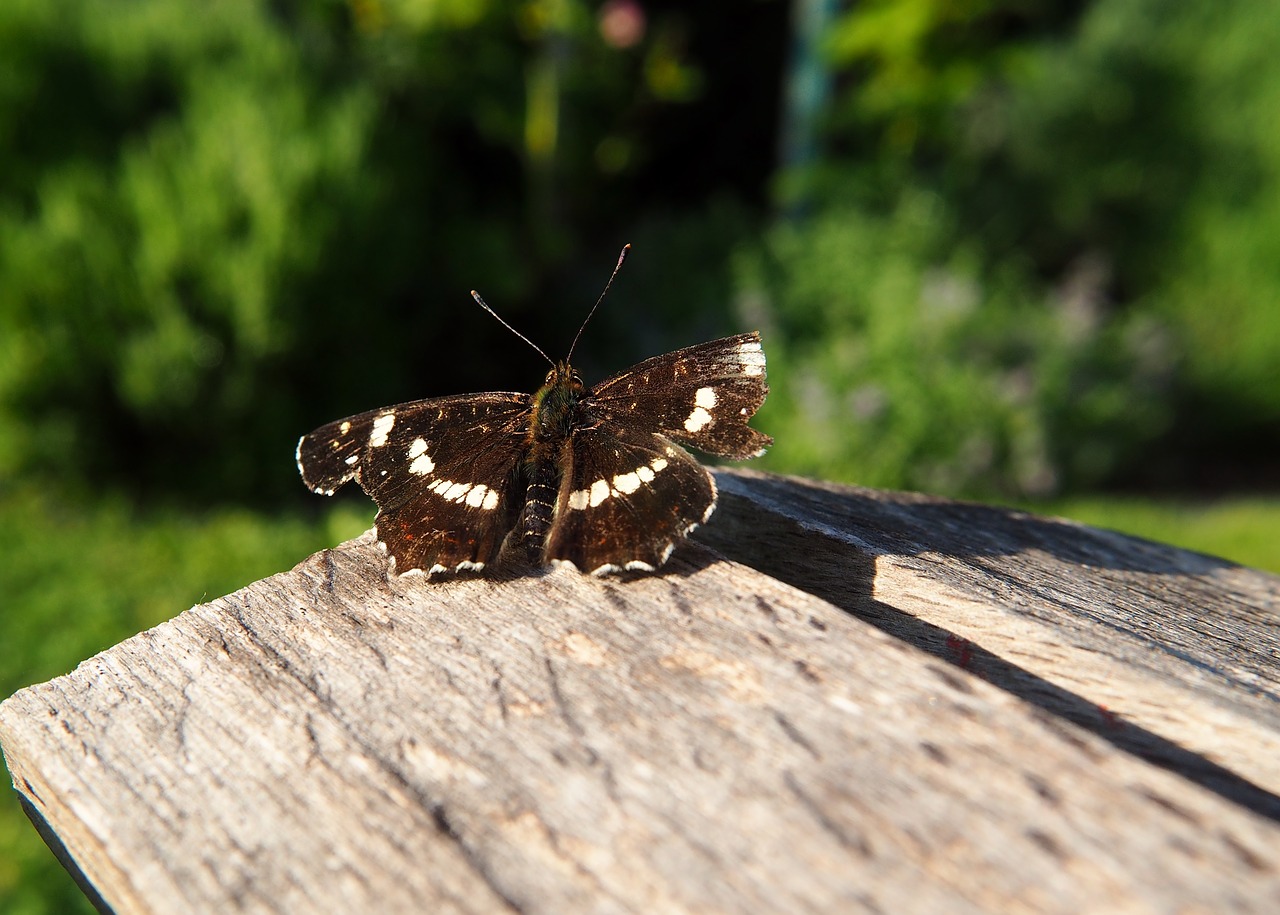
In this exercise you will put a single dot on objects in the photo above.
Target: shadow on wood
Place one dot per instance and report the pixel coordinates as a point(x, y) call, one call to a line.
point(1092, 606)
point(908, 705)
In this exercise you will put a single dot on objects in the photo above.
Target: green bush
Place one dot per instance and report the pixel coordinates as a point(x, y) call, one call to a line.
point(154, 246)
point(1103, 185)
point(1221, 286)
point(908, 363)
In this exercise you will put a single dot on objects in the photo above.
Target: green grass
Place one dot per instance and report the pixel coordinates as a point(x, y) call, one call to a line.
point(80, 574)
point(1241, 529)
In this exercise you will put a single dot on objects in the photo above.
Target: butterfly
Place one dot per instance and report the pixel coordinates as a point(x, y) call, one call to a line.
point(593, 476)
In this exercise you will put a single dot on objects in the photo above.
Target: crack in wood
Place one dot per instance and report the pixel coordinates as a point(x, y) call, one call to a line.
point(476, 861)
point(853, 841)
point(795, 736)
point(433, 807)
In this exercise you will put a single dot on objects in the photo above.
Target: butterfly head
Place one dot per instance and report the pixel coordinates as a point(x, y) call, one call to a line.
point(556, 401)
point(563, 376)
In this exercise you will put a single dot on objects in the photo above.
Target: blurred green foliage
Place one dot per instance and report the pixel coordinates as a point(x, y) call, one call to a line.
point(1041, 255)
point(1242, 527)
point(914, 365)
point(1036, 255)
point(158, 167)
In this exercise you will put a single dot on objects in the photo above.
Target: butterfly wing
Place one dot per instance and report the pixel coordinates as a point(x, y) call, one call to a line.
point(440, 471)
point(625, 500)
point(702, 396)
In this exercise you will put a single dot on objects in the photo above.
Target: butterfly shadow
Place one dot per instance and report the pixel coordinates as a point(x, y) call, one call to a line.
point(831, 541)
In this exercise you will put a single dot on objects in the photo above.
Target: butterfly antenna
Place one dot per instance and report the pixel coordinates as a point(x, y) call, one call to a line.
point(616, 267)
point(485, 305)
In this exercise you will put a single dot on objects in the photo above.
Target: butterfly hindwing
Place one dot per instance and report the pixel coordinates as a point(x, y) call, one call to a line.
point(440, 470)
point(702, 396)
point(626, 498)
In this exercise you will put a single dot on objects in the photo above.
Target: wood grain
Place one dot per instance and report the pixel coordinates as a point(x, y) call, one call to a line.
point(898, 710)
point(1172, 655)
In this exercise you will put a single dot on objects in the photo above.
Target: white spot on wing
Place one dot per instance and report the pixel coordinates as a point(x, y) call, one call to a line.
point(457, 492)
point(622, 484)
point(599, 492)
point(420, 461)
point(490, 501)
point(705, 397)
point(352, 460)
point(475, 498)
point(715, 495)
point(698, 420)
point(460, 492)
point(381, 429)
point(751, 358)
point(345, 427)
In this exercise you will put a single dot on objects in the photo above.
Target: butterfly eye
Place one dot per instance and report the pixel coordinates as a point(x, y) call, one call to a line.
point(551, 376)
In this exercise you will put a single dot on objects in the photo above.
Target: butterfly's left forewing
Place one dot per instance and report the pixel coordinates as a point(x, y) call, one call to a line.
point(702, 396)
point(440, 471)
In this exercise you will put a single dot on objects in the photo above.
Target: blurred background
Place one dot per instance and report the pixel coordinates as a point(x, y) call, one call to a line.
point(1022, 251)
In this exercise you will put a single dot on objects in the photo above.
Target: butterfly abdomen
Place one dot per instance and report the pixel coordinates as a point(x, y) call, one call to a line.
point(539, 507)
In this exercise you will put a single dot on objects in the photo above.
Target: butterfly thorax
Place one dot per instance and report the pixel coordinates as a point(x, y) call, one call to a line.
point(555, 406)
point(555, 409)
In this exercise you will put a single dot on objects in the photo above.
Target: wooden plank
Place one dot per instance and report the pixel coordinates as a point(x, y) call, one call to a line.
point(706, 739)
point(1172, 655)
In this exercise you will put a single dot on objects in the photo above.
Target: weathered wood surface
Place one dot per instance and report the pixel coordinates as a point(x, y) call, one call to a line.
point(950, 707)
point(1172, 655)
